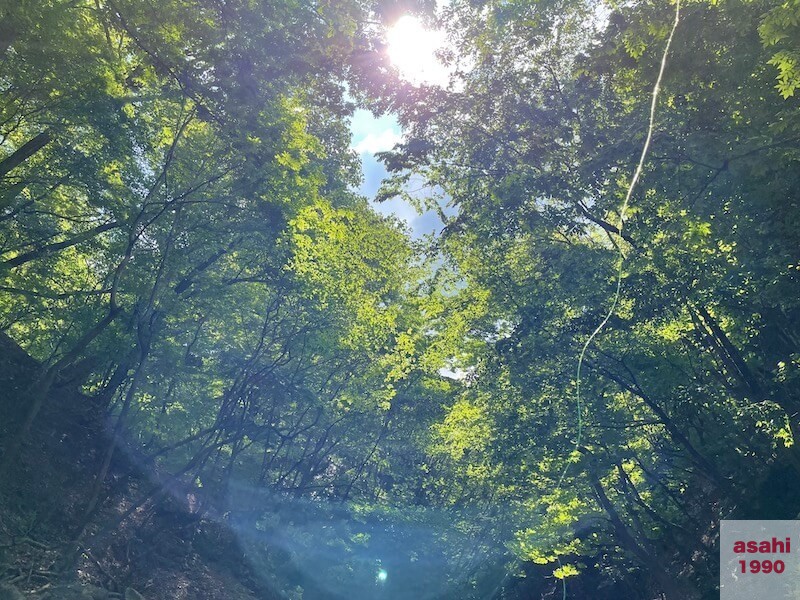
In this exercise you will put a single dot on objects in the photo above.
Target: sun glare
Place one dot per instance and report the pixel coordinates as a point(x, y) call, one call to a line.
point(412, 49)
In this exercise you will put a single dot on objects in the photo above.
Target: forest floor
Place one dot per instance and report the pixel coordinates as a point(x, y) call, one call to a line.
point(47, 550)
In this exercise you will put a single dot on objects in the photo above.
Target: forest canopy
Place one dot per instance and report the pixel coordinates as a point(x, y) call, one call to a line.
point(206, 327)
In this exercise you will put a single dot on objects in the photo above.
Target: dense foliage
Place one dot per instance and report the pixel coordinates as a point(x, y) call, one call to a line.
point(181, 240)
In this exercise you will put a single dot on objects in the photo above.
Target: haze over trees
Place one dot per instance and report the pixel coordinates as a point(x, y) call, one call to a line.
point(206, 328)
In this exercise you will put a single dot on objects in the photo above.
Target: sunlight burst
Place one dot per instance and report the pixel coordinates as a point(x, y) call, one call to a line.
point(412, 49)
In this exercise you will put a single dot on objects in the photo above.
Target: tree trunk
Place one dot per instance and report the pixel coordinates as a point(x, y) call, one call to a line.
point(24, 152)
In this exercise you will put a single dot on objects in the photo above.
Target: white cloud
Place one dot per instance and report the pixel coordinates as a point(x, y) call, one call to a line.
point(378, 142)
point(364, 122)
